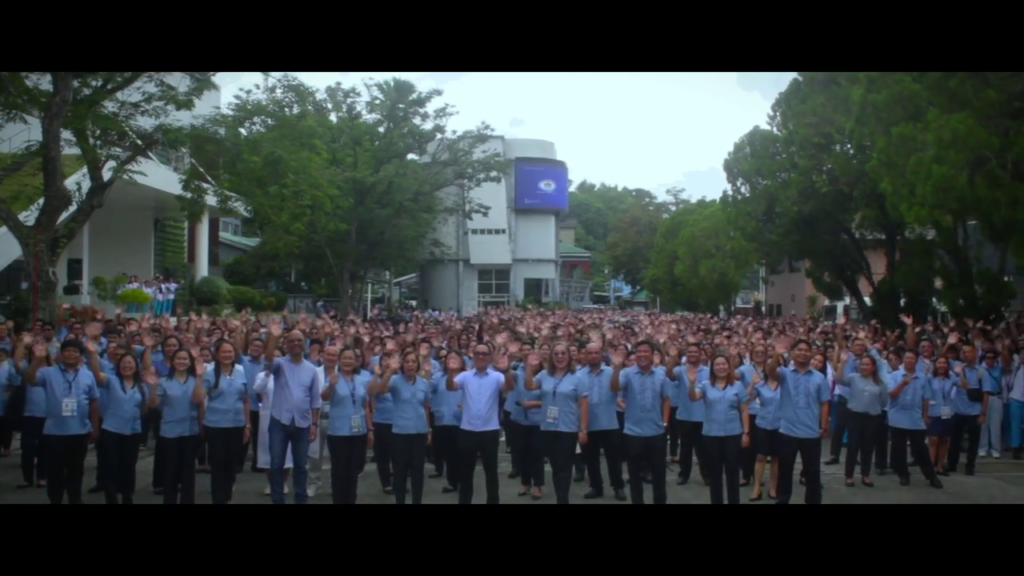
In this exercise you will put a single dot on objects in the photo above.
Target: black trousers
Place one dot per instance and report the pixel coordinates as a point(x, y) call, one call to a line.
point(691, 441)
point(154, 417)
point(486, 445)
point(254, 421)
point(962, 424)
point(409, 455)
point(673, 434)
point(748, 457)
point(120, 454)
point(382, 452)
point(101, 463)
point(561, 451)
point(809, 450)
point(532, 457)
point(646, 453)
point(179, 458)
point(514, 439)
point(348, 456)
point(723, 454)
point(446, 453)
point(836, 443)
point(6, 431)
point(67, 467)
point(918, 449)
point(610, 441)
point(863, 432)
point(881, 442)
point(223, 444)
point(34, 455)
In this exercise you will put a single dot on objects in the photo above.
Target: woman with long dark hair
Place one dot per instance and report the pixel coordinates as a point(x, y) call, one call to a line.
point(226, 423)
point(726, 427)
point(122, 423)
point(179, 430)
point(868, 396)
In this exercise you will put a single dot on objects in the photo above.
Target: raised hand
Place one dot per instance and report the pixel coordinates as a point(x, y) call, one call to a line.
point(533, 362)
point(394, 363)
point(39, 350)
point(618, 359)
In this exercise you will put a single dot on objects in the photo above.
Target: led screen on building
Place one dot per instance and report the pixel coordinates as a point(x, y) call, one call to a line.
point(542, 185)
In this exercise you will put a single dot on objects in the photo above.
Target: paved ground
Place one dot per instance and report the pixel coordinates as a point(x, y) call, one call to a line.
point(996, 482)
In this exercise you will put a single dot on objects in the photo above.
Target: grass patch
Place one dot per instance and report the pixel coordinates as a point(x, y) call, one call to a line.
point(23, 188)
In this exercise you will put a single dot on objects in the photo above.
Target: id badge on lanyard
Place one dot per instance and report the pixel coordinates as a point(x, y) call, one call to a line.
point(69, 405)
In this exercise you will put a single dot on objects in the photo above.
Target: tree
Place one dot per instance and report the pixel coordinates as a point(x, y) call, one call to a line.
point(950, 155)
point(699, 261)
point(348, 180)
point(628, 247)
point(801, 190)
point(113, 119)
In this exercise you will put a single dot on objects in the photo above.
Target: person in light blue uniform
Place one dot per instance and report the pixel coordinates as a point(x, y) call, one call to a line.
point(602, 426)
point(226, 422)
point(179, 428)
point(726, 426)
point(689, 414)
point(529, 418)
point(446, 407)
point(910, 397)
point(745, 373)
point(647, 395)
point(804, 397)
point(942, 384)
point(510, 424)
point(348, 430)
point(72, 416)
point(766, 433)
point(383, 420)
point(121, 423)
point(253, 363)
point(867, 395)
point(410, 395)
point(565, 413)
point(991, 441)
point(969, 408)
point(34, 455)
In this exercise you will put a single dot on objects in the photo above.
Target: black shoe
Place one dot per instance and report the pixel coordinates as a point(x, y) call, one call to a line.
point(436, 475)
point(579, 478)
point(935, 483)
point(594, 494)
point(969, 470)
point(757, 498)
point(905, 481)
point(950, 469)
point(832, 461)
point(682, 481)
point(942, 473)
point(620, 494)
point(449, 489)
point(97, 489)
point(513, 475)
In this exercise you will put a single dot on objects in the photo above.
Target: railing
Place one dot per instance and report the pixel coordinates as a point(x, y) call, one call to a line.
point(9, 146)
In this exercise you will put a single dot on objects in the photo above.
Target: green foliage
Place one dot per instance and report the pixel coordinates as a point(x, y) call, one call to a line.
point(280, 300)
point(698, 262)
point(18, 308)
point(326, 174)
point(136, 296)
point(628, 247)
point(243, 297)
point(170, 239)
point(23, 188)
point(107, 289)
point(210, 291)
point(242, 271)
point(113, 119)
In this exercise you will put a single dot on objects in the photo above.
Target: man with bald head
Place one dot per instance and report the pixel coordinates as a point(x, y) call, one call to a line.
point(602, 426)
point(294, 412)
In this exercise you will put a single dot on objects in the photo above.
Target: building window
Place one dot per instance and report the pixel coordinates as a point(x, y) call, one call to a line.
point(75, 270)
point(230, 227)
point(794, 265)
point(487, 231)
point(493, 282)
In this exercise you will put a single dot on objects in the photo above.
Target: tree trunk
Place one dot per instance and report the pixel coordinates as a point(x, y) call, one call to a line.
point(41, 266)
point(345, 297)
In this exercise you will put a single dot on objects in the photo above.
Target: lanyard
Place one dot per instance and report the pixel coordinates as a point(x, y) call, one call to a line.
point(554, 390)
point(996, 379)
point(351, 390)
point(70, 382)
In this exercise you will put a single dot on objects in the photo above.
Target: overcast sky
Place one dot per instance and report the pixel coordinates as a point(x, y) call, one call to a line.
point(642, 130)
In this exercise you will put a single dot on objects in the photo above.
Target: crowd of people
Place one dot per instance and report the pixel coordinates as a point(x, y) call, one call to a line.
point(162, 295)
point(738, 400)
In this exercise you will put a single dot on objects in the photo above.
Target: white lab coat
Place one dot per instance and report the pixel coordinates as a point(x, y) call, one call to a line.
point(321, 430)
point(264, 386)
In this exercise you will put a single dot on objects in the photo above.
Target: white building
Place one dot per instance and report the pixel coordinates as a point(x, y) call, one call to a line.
point(121, 237)
point(512, 254)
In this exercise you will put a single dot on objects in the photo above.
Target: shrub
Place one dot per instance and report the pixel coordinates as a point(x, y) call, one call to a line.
point(269, 304)
point(280, 300)
point(243, 297)
point(136, 296)
point(210, 291)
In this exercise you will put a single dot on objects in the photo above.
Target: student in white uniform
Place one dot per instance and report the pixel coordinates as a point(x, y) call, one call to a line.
point(318, 454)
point(170, 288)
point(264, 386)
point(133, 282)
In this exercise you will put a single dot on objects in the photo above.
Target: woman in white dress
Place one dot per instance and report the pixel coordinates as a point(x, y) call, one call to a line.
point(264, 386)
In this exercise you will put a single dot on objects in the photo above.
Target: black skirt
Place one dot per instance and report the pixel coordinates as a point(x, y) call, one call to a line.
point(766, 442)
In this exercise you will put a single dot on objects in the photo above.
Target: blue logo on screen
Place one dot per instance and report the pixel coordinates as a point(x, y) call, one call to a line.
point(547, 186)
point(541, 185)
